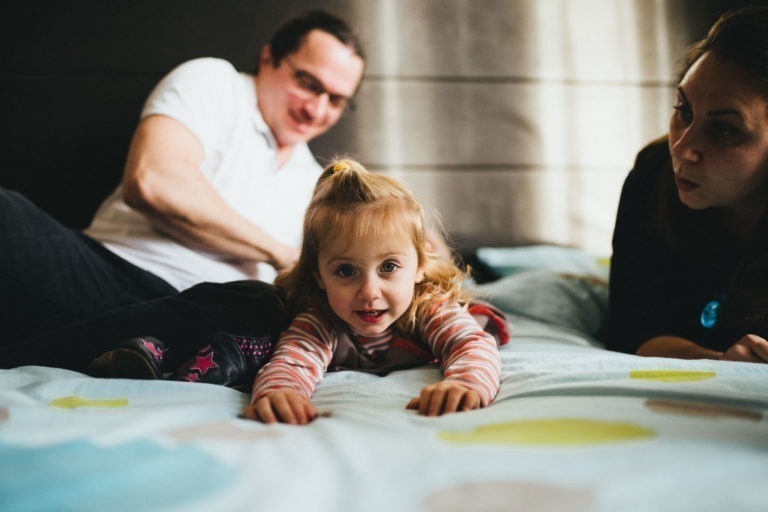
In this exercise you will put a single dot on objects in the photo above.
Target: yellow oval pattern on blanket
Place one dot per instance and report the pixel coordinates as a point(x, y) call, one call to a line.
point(671, 375)
point(555, 431)
point(74, 402)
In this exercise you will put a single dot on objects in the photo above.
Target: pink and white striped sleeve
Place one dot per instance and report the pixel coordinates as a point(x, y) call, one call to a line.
point(467, 353)
point(302, 355)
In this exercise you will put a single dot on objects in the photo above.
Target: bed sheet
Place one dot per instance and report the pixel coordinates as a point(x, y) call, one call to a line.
point(574, 428)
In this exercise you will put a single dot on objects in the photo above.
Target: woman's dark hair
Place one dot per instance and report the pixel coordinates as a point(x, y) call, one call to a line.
point(291, 34)
point(739, 37)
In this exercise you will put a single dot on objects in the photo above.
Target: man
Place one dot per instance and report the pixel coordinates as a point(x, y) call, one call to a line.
point(215, 185)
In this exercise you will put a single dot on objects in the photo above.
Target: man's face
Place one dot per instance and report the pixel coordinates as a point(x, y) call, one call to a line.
point(305, 95)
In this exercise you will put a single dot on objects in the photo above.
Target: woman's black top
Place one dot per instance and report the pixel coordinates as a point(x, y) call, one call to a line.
point(660, 288)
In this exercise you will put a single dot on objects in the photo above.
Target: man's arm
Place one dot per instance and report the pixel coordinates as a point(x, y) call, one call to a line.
point(163, 180)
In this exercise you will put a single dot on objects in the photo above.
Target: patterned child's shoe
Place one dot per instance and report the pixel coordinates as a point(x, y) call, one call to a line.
point(228, 360)
point(136, 358)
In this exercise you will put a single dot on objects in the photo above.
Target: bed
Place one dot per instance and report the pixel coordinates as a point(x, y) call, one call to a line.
point(574, 427)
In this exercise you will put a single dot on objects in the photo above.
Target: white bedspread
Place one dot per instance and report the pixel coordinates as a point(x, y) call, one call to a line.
point(574, 428)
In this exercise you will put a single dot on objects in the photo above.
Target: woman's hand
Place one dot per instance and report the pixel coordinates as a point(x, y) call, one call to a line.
point(750, 348)
point(281, 406)
point(445, 397)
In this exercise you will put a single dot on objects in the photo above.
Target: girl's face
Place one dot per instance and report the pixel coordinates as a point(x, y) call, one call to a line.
point(369, 283)
point(718, 138)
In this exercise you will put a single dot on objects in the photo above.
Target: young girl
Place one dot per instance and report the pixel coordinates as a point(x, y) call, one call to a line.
point(371, 297)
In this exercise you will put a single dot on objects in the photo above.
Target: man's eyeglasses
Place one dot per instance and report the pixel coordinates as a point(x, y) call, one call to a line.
point(309, 84)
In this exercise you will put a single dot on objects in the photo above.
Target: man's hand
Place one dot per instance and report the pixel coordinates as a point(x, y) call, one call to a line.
point(281, 406)
point(285, 258)
point(445, 397)
point(750, 348)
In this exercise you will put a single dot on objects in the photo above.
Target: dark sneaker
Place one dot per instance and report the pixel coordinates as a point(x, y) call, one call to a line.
point(256, 350)
point(136, 358)
point(228, 361)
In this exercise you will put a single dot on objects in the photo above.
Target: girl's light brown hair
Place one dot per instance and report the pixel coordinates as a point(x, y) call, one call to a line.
point(350, 203)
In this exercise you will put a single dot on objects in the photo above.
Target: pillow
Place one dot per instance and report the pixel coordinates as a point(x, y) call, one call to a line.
point(504, 261)
point(576, 302)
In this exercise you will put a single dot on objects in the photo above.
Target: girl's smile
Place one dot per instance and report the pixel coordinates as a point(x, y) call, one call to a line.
point(371, 316)
point(370, 282)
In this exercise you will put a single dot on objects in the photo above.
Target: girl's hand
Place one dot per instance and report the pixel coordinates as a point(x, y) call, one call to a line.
point(444, 397)
point(750, 348)
point(281, 406)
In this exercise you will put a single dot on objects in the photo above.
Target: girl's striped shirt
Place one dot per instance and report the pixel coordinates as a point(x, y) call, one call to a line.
point(447, 333)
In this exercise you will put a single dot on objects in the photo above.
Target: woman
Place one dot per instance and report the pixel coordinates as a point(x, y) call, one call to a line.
point(689, 272)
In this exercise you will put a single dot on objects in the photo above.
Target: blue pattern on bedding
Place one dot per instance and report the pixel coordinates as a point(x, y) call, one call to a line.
point(82, 476)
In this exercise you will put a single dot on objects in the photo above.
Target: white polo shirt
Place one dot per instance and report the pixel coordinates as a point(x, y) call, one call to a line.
point(219, 106)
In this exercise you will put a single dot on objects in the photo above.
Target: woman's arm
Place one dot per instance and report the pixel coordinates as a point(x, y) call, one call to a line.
point(750, 348)
point(675, 346)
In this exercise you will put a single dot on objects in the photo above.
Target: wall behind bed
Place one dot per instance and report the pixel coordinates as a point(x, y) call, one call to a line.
point(516, 120)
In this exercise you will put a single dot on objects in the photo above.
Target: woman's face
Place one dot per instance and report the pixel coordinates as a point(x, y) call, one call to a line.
point(718, 137)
